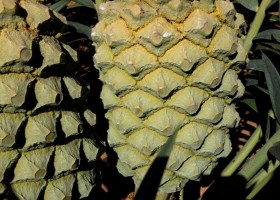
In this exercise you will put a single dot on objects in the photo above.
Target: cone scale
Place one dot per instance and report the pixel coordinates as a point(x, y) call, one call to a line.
point(45, 152)
point(169, 66)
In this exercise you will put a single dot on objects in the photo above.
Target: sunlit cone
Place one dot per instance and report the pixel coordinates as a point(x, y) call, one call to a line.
point(166, 67)
point(46, 151)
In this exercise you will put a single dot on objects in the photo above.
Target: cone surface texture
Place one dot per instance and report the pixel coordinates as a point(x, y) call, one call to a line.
point(45, 151)
point(169, 67)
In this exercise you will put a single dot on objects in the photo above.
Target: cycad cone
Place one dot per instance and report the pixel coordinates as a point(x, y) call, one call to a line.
point(169, 66)
point(45, 152)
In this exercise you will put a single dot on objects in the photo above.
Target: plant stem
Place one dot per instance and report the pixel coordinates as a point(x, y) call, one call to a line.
point(243, 153)
point(181, 195)
point(259, 159)
point(262, 179)
point(256, 25)
point(262, 174)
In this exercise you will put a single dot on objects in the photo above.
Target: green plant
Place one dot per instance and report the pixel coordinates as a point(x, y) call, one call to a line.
point(255, 164)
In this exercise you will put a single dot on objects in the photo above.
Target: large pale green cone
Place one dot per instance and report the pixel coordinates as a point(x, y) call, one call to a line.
point(168, 66)
point(46, 150)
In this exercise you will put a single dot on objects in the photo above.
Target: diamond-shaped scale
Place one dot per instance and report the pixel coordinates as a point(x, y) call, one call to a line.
point(192, 135)
point(97, 33)
point(115, 137)
point(71, 123)
point(118, 80)
point(135, 59)
point(57, 189)
point(74, 89)
point(223, 50)
point(108, 97)
point(226, 11)
point(13, 89)
point(140, 102)
point(194, 167)
point(9, 128)
point(52, 54)
point(177, 157)
point(176, 184)
point(118, 36)
point(166, 120)
point(227, 148)
point(103, 58)
point(199, 27)
point(162, 81)
point(89, 149)
point(189, 99)
point(41, 129)
point(109, 11)
point(175, 10)
point(35, 164)
point(22, 189)
point(125, 169)
point(229, 84)
point(213, 144)
point(230, 117)
point(67, 157)
point(20, 43)
point(208, 74)
point(124, 120)
point(211, 111)
point(48, 91)
point(158, 36)
point(240, 90)
point(240, 58)
point(190, 55)
point(131, 156)
point(137, 14)
point(146, 141)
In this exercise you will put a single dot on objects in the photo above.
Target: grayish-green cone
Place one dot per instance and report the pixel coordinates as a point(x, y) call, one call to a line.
point(46, 151)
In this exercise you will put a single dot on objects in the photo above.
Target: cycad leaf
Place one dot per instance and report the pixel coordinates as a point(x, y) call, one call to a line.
point(76, 5)
point(275, 150)
point(261, 47)
point(273, 45)
point(256, 64)
point(252, 5)
point(273, 83)
point(251, 103)
point(81, 28)
point(268, 128)
point(272, 3)
point(269, 34)
point(59, 5)
point(262, 89)
point(251, 81)
point(87, 3)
